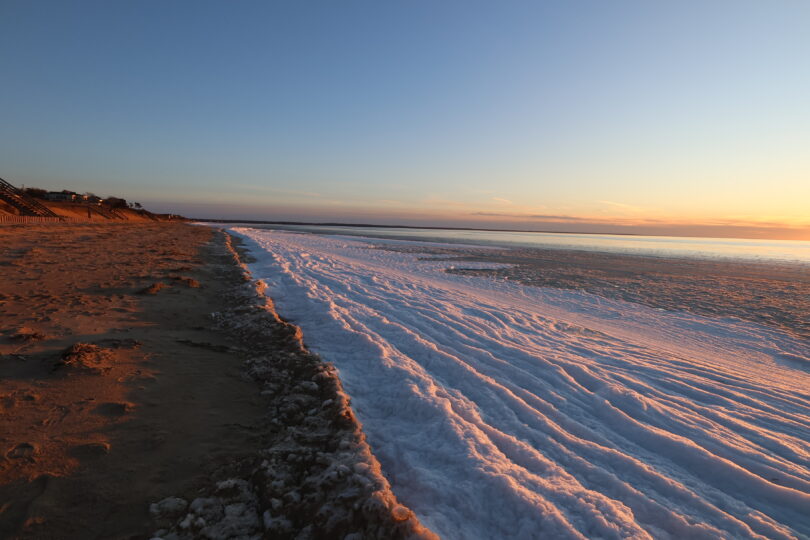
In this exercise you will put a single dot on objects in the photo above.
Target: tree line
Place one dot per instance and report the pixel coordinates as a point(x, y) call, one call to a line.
point(112, 202)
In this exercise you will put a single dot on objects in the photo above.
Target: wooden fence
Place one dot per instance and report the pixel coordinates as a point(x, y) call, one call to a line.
point(36, 219)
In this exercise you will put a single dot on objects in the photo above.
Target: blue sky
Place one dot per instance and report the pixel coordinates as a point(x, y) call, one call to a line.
point(691, 118)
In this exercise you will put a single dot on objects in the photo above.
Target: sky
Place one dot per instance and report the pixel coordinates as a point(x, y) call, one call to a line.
point(681, 118)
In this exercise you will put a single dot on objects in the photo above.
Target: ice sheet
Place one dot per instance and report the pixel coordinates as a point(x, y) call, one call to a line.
point(504, 411)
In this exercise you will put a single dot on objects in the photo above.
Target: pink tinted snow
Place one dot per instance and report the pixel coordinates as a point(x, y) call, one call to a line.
point(499, 410)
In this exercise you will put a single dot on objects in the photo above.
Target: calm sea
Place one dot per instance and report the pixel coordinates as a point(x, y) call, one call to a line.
point(657, 246)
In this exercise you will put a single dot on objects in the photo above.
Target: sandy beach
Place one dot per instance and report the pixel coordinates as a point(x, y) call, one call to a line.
point(127, 409)
point(149, 388)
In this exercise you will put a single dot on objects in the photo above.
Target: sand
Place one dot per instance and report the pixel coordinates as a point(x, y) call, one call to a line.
point(141, 370)
point(144, 407)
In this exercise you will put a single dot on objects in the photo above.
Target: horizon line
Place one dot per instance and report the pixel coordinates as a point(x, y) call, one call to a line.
point(433, 227)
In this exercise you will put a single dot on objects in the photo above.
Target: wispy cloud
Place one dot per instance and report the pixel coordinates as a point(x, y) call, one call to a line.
point(717, 224)
point(279, 191)
point(439, 200)
point(550, 217)
point(622, 206)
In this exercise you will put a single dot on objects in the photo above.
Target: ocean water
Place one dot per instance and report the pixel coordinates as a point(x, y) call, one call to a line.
point(499, 410)
point(781, 251)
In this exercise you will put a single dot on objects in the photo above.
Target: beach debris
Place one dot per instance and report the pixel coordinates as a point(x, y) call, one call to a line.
point(85, 356)
point(205, 345)
point(127, 343)
point(400, 513)
point(154, 288)
point(320, 478)
point(309, 387)
point(168, 507)
point(27, 335)
point(187, 281)
point(231, 512)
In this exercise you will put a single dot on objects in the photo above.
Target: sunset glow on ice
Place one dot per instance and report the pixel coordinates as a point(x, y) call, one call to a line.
point(499, 410)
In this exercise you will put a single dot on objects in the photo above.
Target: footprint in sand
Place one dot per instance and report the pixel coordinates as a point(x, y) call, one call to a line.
point(113, 409)
point(22, 451)
point(90, 450)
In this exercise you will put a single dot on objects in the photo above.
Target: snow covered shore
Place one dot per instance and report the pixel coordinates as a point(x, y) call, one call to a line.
point(312, 476)
point(504, 411)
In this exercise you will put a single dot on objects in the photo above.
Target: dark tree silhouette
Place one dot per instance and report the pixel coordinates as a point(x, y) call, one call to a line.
point(115, 202)
point(34, 192)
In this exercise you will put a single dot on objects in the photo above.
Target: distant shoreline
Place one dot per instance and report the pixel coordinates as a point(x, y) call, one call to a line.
point(413, 227)
point(330, 224)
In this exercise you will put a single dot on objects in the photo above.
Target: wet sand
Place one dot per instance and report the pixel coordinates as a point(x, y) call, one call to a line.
point(143, 408)
point(147, 388)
